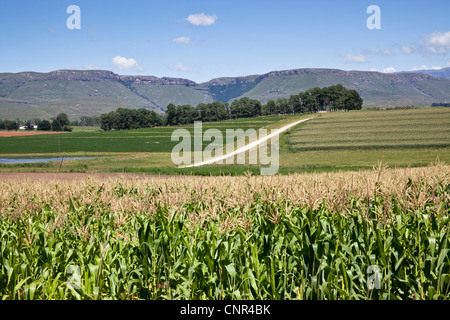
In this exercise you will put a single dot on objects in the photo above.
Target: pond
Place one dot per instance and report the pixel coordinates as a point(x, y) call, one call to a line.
point(30, 160)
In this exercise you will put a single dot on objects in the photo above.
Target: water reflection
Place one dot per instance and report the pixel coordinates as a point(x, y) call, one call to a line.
point(29, 160)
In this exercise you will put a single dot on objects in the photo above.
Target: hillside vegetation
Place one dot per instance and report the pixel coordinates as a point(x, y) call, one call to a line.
point(80, 93)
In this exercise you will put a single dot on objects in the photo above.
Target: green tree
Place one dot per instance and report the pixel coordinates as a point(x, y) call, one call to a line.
point(187, 114)
point(108, 120)
point(269, 108)
point(220, 110)
point(171, 115)
point(295, 102)
point(63, 119)
point(56, 125)
point(45, 125)
point(11, 125)
point(309, 101)
point(355, 101)
point(245, 108)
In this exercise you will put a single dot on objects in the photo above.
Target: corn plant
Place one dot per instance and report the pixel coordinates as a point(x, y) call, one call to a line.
point(297, 237)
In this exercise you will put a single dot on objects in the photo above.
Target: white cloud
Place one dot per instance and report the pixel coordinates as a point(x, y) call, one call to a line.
point(388, 70)
point(373, 69)
point(355, 58)
point(123, 63)
point(381, 52)
point(93, 67)
point(424, 67)
point(200, 19)
point(437, 42)
point(179, 67)
point(408, 49)
point(384, 52)
point(184, 40)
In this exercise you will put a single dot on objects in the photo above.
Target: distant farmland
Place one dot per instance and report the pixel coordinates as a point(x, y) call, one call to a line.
point(416, 128)
point(332, 141)
point(141, 140)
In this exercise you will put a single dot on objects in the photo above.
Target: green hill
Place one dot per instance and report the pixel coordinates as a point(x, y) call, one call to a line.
point(30, 94)
point(377, 89)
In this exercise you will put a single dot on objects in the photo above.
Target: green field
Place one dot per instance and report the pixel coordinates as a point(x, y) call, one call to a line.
point(153, 140)
point(400, 138)
point(399, 129)
point(331, 141)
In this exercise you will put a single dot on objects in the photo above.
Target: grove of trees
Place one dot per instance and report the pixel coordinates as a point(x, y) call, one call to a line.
point(125, 119)
point(331, 98)
point(10, 125)
point(60, 123)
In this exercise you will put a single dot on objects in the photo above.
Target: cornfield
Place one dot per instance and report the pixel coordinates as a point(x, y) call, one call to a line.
point(380, 234)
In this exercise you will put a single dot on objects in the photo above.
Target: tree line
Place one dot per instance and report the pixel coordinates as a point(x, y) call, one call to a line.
point(331, 98)
point(126, 119)
point(60, 123)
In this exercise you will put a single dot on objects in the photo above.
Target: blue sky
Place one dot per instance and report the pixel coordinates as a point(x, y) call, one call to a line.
point(202, 40)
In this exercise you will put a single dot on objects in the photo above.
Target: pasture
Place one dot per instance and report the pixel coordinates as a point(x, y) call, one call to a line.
point(343, 141)
point(346, 140)
point(391, 129)
point(152, 140)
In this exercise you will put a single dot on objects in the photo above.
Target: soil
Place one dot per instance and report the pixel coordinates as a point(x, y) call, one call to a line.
point(74, 176)
point(24, 133)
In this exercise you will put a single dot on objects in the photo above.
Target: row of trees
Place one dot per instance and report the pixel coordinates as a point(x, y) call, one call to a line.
point(180, 115)
point(9, 125)
point(60, 123)
point(331, 98)
point(184, 114)
point(125, 119)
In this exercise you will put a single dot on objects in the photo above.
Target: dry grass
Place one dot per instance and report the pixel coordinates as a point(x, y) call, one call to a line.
point(225, 198)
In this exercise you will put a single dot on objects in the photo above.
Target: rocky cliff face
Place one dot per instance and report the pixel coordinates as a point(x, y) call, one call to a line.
point(94, 75)
point(149, 80)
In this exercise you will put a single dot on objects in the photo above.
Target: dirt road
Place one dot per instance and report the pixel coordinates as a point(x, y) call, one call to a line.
point(248, 146)
point(75, 176)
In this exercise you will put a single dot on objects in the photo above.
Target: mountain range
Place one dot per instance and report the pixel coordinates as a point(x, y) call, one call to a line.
point(28, 95)
point(440, 73)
